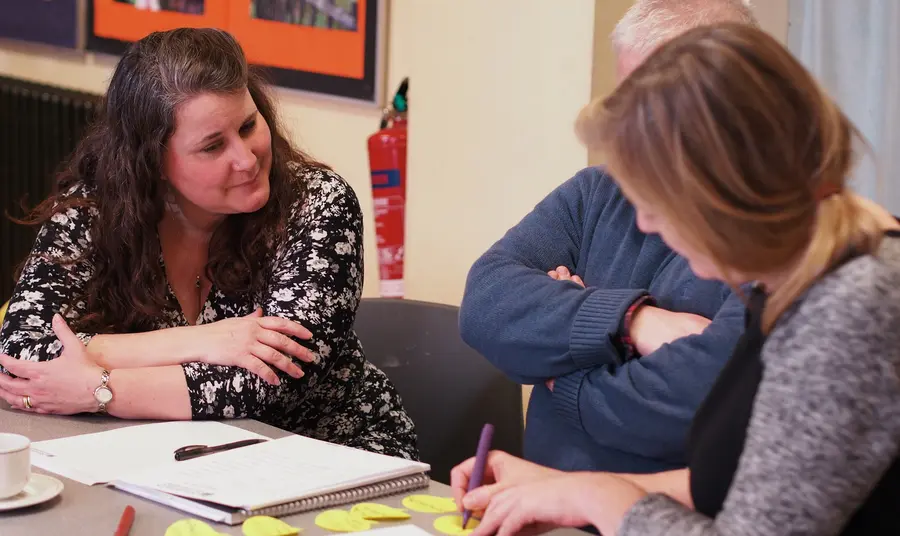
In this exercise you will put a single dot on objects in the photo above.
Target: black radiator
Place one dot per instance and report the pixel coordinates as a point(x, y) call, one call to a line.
point(39, 127)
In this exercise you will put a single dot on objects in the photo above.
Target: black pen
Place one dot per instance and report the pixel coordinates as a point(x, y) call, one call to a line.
point(194, 451)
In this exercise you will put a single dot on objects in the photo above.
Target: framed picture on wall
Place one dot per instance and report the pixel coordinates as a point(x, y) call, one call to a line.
point(51, 22)
point(326, 46)
point(113, 24)
point(330, 47)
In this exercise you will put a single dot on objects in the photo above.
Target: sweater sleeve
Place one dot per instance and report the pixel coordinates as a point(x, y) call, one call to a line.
point(825, 424)
point(529, 325)
point(661, 390)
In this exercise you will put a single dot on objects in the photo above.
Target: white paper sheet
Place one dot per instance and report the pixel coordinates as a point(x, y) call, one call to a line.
point(102, 457)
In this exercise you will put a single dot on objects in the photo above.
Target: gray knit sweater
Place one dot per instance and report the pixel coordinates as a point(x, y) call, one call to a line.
point(826, 418)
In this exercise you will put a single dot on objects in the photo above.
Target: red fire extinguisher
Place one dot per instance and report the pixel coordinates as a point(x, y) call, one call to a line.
point(387, 163)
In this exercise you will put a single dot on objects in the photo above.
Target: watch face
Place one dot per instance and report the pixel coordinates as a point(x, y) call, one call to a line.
point(103, 395)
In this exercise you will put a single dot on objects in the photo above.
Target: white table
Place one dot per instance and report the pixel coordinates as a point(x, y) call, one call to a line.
point(82, 510)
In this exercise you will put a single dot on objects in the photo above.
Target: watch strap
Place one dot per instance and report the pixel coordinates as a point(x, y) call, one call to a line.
point(625, 336)
point(104, 384)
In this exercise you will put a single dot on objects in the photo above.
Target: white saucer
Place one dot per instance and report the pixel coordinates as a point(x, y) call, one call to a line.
point(40, 488)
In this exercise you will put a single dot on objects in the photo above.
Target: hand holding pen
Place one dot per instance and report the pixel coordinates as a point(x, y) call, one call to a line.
point(468, 475)
point(477, 480)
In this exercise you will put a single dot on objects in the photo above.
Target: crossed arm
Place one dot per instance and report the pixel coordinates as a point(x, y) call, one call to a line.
point(536, 327)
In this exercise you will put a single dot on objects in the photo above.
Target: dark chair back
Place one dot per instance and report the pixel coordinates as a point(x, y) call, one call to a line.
point(448, 389)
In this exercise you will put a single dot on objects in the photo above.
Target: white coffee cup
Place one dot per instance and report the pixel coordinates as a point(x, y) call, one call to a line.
point(15, 464)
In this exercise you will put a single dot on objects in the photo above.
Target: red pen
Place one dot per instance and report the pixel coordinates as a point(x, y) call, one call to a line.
point(125, 521)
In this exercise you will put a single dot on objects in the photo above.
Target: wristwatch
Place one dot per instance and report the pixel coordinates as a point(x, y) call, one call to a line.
point(103, 394)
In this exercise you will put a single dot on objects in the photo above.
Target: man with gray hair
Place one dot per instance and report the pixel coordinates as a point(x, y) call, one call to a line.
point(620, 339)
point(650, 23)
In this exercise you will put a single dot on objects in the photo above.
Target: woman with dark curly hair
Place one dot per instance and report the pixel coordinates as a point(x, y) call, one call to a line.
point(208, 269)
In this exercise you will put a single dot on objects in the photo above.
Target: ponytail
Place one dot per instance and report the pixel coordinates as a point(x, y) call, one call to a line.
point(842, 228)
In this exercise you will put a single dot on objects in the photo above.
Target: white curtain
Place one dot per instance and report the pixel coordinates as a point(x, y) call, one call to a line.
point(853, 47)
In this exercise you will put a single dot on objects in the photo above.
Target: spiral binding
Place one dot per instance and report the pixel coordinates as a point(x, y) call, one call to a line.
point(338, 498)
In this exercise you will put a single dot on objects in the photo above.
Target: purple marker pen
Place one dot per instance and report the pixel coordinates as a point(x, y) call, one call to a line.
point(484, 446)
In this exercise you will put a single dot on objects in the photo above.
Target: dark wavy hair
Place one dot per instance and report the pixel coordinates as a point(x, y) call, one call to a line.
point(119, 163)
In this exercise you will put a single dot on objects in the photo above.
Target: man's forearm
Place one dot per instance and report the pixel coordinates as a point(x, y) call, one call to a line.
point(661, 391)
point(150, 393)
point(172, 346)
point(550, 329)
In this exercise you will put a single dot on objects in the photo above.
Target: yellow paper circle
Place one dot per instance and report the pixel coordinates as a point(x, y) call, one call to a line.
point(379, 512)
point(453, 525)
point(190, 527)
point(342, 521)
point(429, 504)
point(267, 526)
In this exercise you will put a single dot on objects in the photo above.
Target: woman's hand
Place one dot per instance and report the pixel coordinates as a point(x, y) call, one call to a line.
point(253, 342)
point(61, 386)
point(501, 471)
point(570, 500)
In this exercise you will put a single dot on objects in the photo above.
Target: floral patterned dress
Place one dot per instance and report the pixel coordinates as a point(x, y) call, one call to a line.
point(316, 280)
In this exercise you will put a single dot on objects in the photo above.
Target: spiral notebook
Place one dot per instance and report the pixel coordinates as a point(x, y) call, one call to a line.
point(279, 477)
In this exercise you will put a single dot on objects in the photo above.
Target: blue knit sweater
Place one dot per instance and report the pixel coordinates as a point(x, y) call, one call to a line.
point(604, 413)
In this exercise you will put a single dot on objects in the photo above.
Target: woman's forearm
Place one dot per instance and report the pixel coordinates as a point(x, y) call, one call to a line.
point(150, 393)
point(171, 346)
point(676, 484)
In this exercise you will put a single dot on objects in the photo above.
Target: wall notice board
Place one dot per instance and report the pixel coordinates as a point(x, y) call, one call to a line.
point(323, 46)
point(50, 22)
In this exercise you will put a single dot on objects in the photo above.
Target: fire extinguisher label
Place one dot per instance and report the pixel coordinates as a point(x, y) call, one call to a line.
point(389, 204)
point(386, 178)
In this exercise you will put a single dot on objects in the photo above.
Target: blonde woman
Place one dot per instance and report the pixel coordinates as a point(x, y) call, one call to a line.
point(731, 152)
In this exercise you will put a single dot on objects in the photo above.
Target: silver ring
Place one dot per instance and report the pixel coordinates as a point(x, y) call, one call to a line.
point(26, 400)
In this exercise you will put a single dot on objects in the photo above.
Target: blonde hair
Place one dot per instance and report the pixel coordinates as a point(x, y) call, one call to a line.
point(727, 136)
point(649, 23)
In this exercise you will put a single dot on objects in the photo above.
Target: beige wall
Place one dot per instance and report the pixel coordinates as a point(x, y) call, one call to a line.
point(603, 74)
point(773, 17)
point(495, 89)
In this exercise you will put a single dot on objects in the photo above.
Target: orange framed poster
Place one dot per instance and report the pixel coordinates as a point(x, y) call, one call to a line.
point(128, 21)
point(323, 46)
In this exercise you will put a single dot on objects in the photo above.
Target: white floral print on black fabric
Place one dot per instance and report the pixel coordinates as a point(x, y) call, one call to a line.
point(316, 280)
